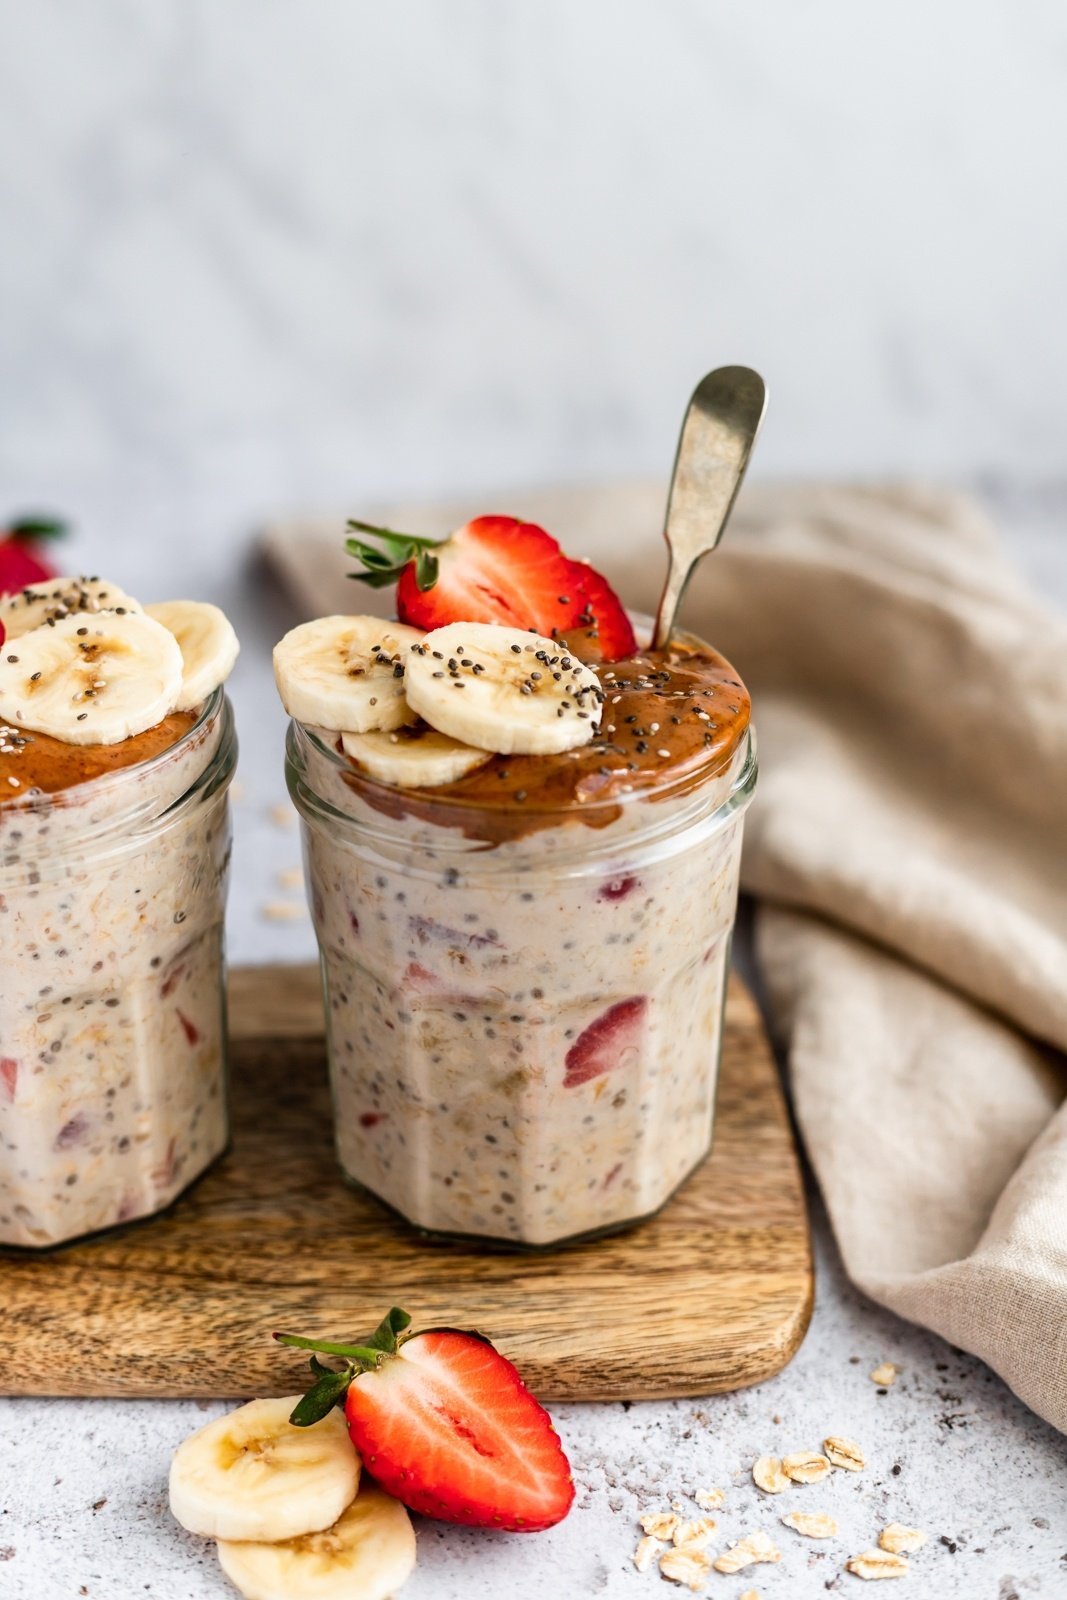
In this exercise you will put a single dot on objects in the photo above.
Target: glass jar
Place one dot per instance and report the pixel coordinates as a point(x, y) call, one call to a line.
point(113, 1010)
point(524, 1025)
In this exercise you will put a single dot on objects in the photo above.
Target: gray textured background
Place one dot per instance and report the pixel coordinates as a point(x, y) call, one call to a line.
point(258, 257)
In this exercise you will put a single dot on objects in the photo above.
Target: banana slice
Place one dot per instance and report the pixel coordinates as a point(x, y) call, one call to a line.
point(367, 1554)
point(90, 679)
point(61, 597)
point(252, 1475)
point(417, 757)
point(207, 642)
point(346, 672)
point(504, 690)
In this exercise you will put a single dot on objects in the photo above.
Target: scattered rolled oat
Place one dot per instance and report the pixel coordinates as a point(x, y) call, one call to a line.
point(646, 1552)
point(885, 1375)
point(660, 1524)
point(896, 1538)
point(291, 878)
point(709, 1500)
point(694, 1535)
point(690, 1567)
point(283, 910)
point(805, 1466)
point(767, 1474)
point(756, 1547)
point(283, 815)
point(812, 1524)
point(877, 1564)
point(844, 1453)
point(749, 1594)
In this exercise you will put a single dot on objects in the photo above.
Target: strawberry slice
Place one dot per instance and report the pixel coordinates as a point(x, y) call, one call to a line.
point(21, 562)
point(445, 1424)
point(603, 623)
point(611, 1041)
point(9, 1077)
point(494, 569)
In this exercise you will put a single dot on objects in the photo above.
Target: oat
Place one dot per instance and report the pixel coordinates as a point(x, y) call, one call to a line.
point(660, 1524)
point(678, 1505)
point(695, 1534)
point(896, 1538)
point(291, 878)
point(690, 1567)
point(812, 1524)
point(805, 1466)
point(844, 1453)
point(885, 1375)
point(646, 1553)
point(756, 1547)
point(283, 910)
point(877, 1564)
point(767, 1474)
point(709, 1500)
point(749, 1594)
point(282, 815)
point(237, 791)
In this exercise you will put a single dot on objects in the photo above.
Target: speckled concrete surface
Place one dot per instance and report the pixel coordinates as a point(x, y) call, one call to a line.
point(949, 1450)
point(82, 1483)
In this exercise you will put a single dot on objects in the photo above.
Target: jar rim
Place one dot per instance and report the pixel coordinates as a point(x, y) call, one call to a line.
point(83, 825)
point(109, 782)
point(705, 810)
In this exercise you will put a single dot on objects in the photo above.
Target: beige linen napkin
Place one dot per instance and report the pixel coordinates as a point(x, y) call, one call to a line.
point(908, 845)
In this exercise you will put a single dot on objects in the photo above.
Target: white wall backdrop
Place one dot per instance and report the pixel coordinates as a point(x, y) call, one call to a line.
point(258, 254)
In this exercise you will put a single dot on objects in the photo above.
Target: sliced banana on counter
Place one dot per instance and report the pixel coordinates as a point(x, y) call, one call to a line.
point(251, 1475)
point(503, 690)
point(367, 1554)
point(416, 757)
point(61, 597)
point(346, 673)
point(90, 678)
point(207, 642)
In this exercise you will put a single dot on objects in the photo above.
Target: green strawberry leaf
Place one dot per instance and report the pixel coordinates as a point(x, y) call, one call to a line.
point(385, 1334)
point(426, 570)
point(327, 1392)
point(385, 565)
point(33, 529)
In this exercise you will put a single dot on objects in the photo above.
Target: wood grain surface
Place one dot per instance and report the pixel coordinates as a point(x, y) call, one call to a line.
point(713, 1294)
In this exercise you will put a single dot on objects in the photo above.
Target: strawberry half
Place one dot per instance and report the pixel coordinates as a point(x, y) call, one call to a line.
point(494, 569)
point(445, 1424)
point(21, 563)
point(603, 622)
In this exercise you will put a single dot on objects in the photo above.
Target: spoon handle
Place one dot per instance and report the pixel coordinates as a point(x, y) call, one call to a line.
point(718, 433)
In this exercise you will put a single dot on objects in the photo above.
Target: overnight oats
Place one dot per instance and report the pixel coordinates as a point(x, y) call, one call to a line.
point(116, 750)
point(522, 847)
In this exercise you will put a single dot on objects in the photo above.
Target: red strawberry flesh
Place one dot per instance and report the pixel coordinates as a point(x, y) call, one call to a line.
point(450, 1429)
point(20, 568)
point(604, 630)
point(611, 1041)
point(9, 1076)
point(22, 564)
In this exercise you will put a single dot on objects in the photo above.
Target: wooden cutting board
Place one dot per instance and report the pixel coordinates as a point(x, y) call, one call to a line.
point(713, 1294)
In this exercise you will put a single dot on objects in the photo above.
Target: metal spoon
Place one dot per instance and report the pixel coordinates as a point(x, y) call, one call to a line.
point(715, 443)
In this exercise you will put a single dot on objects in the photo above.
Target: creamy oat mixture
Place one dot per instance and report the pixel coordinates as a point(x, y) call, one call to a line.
point(525, 969)
point(112, 1052)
